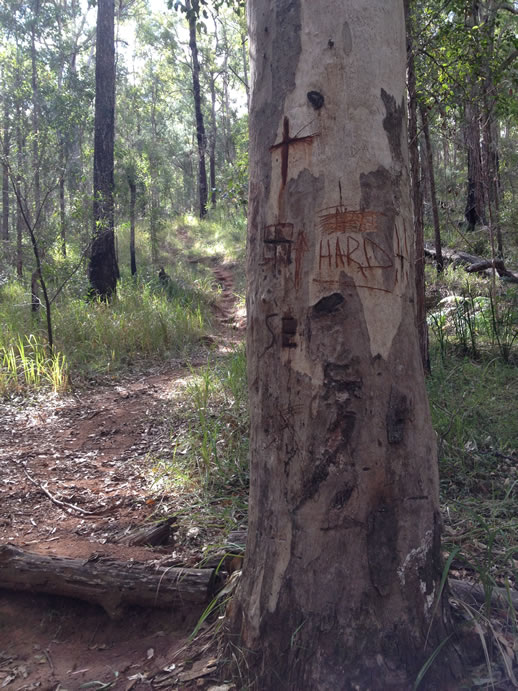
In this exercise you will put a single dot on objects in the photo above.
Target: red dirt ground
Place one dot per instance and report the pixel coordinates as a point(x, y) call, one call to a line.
point(90, 449)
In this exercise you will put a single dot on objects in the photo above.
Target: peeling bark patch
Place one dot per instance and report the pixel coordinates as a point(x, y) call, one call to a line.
point(393, 123)
point(316, 99)
point(376, 191)
point(328, 304)
point(338, 377)
point(381, 547)
point(397, 415)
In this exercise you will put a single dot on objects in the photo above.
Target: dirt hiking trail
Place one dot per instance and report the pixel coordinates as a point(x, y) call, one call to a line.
point(76, 484)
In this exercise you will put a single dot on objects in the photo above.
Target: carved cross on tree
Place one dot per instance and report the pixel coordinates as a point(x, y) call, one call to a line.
point(284, 146)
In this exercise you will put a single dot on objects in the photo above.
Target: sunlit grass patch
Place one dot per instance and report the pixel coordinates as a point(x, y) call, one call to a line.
point(27, 364)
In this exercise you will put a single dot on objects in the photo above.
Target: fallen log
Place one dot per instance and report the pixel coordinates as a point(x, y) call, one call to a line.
point(474, 594)
point(111, 583)
point(154, 534)
point(498, 264)
point(472, 263)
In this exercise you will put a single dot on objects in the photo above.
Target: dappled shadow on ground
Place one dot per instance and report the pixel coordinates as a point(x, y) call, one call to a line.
point(77, 480)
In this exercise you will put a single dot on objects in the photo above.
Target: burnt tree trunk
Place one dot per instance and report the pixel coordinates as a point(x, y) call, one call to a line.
point(200, 127)
point(103, 270)
point(133, 202)
point(474, 212)
point(343, 562)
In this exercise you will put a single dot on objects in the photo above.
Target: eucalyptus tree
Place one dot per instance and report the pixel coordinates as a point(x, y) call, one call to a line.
point(341, 585)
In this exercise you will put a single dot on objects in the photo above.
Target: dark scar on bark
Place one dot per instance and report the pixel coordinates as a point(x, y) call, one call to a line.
point(342, 497)
point(393, 123)
point(397, 415)
point(316, 99)
point(381, 547)
point(311, 487)
point(328, 304)
point(289, 329)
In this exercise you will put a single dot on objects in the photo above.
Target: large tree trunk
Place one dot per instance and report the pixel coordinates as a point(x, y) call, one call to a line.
point(200, 127)
point(343, 555)
point(103, 270)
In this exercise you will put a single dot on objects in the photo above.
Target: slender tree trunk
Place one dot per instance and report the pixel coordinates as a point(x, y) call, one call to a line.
point(19, 217)
point(5, 169)
point(35, 110)
point(343, 561)
point(433, 194)
point(212, 143)
point(133, 200)
point(200, 127)
point(103, 270)
point(474, 212)
point(417, 195)
point(153, 222)
point(62, 206)
point(475, 203)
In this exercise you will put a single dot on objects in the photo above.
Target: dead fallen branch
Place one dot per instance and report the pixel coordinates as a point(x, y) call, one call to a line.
point(66, 506)
point(498, 264)
point(153, 534)
point(472, 263)
point(473, 594)
point(111, 583)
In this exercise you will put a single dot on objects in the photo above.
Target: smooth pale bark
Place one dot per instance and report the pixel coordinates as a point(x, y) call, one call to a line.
point(103, 270)
point(343, 564)
point(416, 191)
